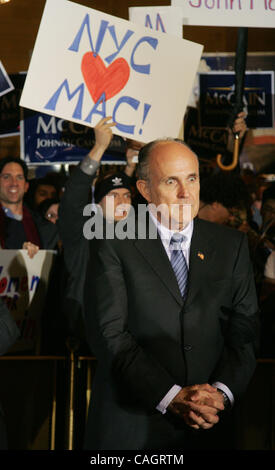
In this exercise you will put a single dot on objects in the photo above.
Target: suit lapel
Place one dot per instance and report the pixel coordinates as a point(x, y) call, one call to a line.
point(201, 250)
point(155, 255)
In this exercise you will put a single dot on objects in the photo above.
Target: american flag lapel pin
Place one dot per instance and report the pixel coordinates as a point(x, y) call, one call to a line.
point(201, 255)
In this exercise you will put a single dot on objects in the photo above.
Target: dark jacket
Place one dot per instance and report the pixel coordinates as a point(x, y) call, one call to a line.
point(147, 339)
point(37, 230)
point(8, 335)
point(75, 249)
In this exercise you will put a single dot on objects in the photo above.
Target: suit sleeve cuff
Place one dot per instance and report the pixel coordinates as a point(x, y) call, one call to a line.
point(226, 390)
point(89, 166)
point(163, 404)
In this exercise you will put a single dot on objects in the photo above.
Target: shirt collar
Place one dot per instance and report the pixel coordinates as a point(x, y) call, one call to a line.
point(11, 215)
point(166, 234)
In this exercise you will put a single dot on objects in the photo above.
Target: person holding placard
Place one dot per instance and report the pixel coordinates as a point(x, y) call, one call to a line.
point(78, 194)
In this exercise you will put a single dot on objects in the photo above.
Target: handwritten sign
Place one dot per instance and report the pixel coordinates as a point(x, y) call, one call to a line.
point(23, 287)
point(87, 65)
point(163, 19)
point(204, 141)
point(246, 13)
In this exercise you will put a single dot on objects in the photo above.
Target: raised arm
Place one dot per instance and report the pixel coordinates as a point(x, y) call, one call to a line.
point(78, 189)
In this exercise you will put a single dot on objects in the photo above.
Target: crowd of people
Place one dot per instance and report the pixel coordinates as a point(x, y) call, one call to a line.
point(50, 213)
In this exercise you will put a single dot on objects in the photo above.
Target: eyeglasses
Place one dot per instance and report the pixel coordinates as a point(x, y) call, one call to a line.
point(51, 216)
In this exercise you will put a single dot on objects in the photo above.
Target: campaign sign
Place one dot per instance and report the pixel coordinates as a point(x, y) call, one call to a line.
point(164, 19)
point(217, 98)
point(87, 65)
point(23, 287)
point(206, 142)
point(9, 107)
point(47, 140)
point(246, 13)
point(5, 82)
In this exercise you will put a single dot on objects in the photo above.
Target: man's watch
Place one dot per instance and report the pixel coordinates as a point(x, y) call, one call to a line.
point(226, 401)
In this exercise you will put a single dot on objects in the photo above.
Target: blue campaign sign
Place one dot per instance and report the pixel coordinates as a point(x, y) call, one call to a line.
point(204, 141)
point(217, 98)
point(48, 140)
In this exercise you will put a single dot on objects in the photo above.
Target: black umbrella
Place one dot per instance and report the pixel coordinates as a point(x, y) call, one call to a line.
point(240, 66)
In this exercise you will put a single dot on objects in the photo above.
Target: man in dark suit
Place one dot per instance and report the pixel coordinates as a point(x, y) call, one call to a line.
point(171, 318)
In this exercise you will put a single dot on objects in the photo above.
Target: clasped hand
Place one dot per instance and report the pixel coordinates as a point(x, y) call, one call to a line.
point(198, 405)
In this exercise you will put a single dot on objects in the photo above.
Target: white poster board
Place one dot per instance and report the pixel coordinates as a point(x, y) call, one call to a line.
point(87, 65)
point(164, 19)
point(238, 13)
point(23, 287)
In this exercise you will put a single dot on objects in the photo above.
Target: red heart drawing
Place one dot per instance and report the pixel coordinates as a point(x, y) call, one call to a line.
point(101, 79)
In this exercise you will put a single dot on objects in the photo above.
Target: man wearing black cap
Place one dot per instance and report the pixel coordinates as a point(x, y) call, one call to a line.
point(113, 194)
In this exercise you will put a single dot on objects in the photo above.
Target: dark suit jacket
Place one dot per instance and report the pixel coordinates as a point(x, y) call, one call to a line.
point(29, 226)
point(37, 230)
point(75, 252)
point(147, 339)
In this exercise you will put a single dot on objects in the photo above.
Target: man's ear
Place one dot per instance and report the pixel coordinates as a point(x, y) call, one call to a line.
point(143, 188)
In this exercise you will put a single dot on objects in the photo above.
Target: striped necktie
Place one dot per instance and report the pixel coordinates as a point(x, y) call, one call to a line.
point(178, 262)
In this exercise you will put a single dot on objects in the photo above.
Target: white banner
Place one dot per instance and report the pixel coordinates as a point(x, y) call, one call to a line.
point(164, 19)
point(23, 287)
point(87, 65)
point(241, 13)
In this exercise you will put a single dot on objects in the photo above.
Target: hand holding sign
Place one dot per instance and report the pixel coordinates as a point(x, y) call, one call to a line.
point(239, 125)
point(31, 249)
point(103, 136)
point(103, 133)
